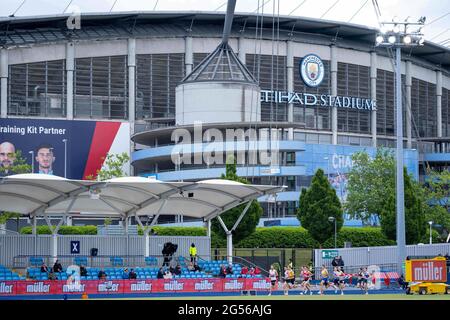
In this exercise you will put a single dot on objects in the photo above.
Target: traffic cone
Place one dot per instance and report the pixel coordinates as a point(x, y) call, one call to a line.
point(84, 296)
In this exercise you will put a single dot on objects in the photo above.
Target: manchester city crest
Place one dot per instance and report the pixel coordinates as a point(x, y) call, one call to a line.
point(312, 70)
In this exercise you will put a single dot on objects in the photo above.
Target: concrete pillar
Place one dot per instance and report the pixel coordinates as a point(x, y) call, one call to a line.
point(439, 102)
point(208, 228)
point(34, 230)
point(147, 244)
point(132, 82)
point(290, 84)
point(408, 120)
point(188, 55)
point(373, 96)
point(3, 83)
point(54, 252)
point(241, 51)
point(333, 70)
point(131, 90)
point(70, 67)
point(290, 77)
point(229, 247)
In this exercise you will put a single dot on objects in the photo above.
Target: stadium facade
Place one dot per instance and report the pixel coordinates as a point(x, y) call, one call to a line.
point(322, 86)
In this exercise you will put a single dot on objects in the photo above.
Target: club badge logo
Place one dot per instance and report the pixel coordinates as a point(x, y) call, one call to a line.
point(312, 70)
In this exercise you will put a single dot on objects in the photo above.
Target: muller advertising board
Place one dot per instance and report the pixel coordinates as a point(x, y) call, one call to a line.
point(67, 148)
point(30, 287)
point(426, 270)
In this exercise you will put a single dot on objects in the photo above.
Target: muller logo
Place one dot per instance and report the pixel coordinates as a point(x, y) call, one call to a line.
point(73, 288)
point(429, 271)
point(141, 286)
point(108, 286)
point(173, 285)
point(204, 285)
point(261, 284)
point(38, 287)
point(6, 288)
point(234, 285)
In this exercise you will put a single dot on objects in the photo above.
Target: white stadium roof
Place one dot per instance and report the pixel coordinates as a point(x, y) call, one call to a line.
point(37, 194)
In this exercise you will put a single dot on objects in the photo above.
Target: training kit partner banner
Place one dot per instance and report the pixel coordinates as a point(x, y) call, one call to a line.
point(69, 148)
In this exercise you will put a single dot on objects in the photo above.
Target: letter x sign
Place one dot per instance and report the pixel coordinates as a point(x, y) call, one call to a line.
point(74, 247)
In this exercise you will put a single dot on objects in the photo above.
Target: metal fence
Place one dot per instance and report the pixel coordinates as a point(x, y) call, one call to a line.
point(376, 255)
point(127, 246)
point(264, 257)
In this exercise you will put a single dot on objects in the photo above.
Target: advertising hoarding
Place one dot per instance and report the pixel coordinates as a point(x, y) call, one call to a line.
point(67, 148)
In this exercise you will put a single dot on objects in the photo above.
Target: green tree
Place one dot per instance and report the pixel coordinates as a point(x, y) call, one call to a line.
point(248, 223)
point(316, 205)
point(415, 222)
point(18, 166)
point(437, 188)
point(112, 167)
point(436, 194)
point(370, 183)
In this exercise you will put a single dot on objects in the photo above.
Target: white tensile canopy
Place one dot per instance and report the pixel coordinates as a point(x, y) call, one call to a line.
point(38, 194)
point(45, 195)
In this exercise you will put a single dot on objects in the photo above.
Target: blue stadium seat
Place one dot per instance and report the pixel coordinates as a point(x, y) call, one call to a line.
point(36, 261)
point(81, 260)
point(151, 261)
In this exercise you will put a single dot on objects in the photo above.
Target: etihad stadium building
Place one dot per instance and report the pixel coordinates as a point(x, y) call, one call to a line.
point(138, 81)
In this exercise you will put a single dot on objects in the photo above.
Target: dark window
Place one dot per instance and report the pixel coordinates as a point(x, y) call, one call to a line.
point(445, 112)
point(313, 117)
point(423, 108)
point(385, 102)
point(353, 81)
point(157, 77)
point(37, 89)
point(101, 87)
point(270, 71)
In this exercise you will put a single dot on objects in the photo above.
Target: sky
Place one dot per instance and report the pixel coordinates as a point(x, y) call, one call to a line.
point(437, 12)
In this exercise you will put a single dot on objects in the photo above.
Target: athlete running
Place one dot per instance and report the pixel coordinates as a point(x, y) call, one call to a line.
point(335, 283)
point(306, 278)
point(273, 275)
point(341, 276)
point(324, 279)
point(366, 277)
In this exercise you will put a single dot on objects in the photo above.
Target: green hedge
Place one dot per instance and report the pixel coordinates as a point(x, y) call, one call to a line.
point(79, 230)
point(268, 237)
point(360, 237)
point(298, 237)
point(177, 231)
point(278, 237)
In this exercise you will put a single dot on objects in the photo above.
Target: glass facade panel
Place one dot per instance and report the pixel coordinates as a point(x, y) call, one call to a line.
point(270, 71)
point(101, 88)
point(353, 81)
point(423, 108)
point(157, 76)
point(385, 102)
point(445, 112)
point(37, 89)
point(313, 117)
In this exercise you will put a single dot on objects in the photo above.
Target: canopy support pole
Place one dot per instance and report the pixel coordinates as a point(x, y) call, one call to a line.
point(35, 233)
point(146, 237)
point(229, 233)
